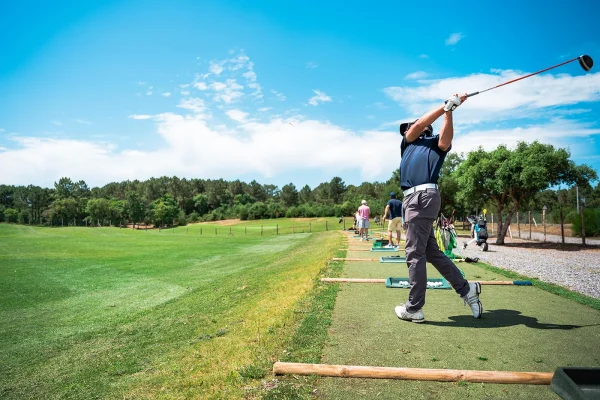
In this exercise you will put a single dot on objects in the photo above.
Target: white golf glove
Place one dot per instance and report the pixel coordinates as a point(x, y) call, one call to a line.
point(452, 103)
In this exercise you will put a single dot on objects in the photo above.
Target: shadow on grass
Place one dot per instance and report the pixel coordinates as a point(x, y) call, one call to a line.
point(500, 319)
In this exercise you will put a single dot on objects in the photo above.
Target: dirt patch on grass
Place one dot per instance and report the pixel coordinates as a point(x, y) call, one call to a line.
point(225, 222)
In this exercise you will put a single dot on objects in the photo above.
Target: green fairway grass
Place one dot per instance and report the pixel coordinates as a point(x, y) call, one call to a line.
point(271, 227)
point(523, 328)
point(116, 313)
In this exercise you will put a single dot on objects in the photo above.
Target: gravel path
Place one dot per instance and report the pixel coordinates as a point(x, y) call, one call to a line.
point(572, 267)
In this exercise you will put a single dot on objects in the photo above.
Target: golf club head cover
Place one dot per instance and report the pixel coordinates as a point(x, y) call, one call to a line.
point(452, 103)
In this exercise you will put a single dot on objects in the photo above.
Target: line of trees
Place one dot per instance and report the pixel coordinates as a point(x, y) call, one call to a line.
point(169, 200)
point(504, 181)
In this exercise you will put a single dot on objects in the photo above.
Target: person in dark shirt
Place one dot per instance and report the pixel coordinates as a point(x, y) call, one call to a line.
point(394, 209)
point(423, 154)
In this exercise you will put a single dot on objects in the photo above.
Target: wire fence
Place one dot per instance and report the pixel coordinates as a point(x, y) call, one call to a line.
point(538, 225)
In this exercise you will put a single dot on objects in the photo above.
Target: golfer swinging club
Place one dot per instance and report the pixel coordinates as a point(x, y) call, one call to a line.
point(422, 157)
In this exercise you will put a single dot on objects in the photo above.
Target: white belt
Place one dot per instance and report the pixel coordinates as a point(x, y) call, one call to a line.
point(420, 188)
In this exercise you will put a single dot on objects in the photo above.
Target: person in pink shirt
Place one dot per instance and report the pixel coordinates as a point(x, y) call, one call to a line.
point(363, 221)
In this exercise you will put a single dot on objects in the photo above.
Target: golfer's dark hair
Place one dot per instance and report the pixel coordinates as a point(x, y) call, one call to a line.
point(393, 196)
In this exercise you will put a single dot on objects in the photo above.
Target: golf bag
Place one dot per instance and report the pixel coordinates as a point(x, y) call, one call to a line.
point(480, 232)
point(445, 236)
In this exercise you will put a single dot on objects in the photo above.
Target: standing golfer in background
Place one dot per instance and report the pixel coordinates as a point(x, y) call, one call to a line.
point(422, 157)
point(394, 209)
point(364, 213)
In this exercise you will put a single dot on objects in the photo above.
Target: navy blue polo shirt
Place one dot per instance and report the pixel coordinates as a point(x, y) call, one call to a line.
point(421, 161)
point(395, 208)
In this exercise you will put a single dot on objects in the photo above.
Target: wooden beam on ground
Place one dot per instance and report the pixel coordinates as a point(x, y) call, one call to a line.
point(353, 280)
point(413, 374)
point(379, 280)
point(355, 259)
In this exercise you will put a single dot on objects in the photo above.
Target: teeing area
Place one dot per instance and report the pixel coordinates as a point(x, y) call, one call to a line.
point(122, 313)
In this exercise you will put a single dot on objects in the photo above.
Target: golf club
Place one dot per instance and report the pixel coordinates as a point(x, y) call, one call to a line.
point(585, 61)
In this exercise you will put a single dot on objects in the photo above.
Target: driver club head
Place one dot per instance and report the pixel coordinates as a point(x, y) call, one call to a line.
point(586, 62)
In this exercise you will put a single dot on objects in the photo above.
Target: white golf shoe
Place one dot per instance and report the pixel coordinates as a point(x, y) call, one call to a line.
point(416, 316)
point(472, 299)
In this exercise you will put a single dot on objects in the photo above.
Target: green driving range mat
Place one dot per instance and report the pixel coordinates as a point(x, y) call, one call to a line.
point(404, 283)
point(392, 259)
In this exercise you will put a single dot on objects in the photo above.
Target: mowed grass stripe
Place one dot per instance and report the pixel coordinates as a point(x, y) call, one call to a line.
point(104, 313)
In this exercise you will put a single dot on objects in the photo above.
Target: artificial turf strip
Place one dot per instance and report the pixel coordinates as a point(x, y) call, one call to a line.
point(109, 313)
point(522, 329)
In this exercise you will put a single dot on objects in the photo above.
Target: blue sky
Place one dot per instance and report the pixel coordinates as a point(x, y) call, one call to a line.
point(280, 91)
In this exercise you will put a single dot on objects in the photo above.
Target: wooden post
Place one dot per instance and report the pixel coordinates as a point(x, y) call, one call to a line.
point(201, 230)
point(230, 234)
point(277, 228)
point(245, 228)
point(492, 224)
point(544, 220)
point(261, 230)
point(419, 374)
point(529, 225)
point(518, 225)
point(582, 223)
point(310, 227)
point(326, 228)
point(344, 223)
point(562, 226)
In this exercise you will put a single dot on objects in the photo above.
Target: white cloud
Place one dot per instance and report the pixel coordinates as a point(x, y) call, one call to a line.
point(417, 75)
point(454, 38)
point(250, 75)
point(423, 56)
point(167, 94)
point(228, 92)
point(185, 92)
point(141, 116)
point(57, 123)
point(185, 85)
point(279, 96)
point(192, 148)
point(518, 100)
point(215, 68)
point(83, 121)
point(3, 148)
point(311, 65)
point(149, 93)
point(554, 132)
point(319, 97)
point(193, 104)
point(237, 115)
point(141, 83)
point(265, 109)
point(218, 86)
point(200, 86)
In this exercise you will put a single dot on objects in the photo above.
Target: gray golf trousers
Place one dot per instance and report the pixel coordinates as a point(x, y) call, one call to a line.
point(420, 211)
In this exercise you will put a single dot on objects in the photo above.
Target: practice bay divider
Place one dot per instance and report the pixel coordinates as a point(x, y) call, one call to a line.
point(383, 280)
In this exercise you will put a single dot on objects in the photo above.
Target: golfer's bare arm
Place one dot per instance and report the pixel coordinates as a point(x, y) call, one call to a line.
point(387, 208)
point(447, 132)
point(418, 127)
